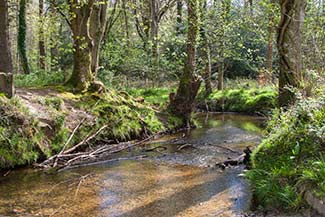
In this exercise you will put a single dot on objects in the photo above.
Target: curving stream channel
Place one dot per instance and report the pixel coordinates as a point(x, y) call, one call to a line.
point(174, 177)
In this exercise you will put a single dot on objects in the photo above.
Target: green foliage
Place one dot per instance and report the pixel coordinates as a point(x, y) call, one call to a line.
point(154, 96)
point(20, 138)
point(244, 100)
point(39, 79)
point(290, 156)
point(52, 102)
point(125, 117)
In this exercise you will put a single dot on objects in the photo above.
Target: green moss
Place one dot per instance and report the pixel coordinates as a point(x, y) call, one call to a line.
point(20, 137)
point(125, 117)
point(243, 100)
point(154, 96)
point(291, 156)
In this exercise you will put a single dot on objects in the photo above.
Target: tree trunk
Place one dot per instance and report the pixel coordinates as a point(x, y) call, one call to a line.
point(82, 76)
point(22, 36)
point(289, 46)
point(154, 31)
point(97, 26)
point(126, 21)
point(183, 103)
point(6, 81)
point(271, 29)
point(179, 19)
point(41, 42)
point(225, 4)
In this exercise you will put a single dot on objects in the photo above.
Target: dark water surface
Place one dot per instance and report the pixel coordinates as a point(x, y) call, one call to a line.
point(171, 181)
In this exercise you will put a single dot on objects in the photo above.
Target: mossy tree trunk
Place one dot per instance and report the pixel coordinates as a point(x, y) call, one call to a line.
point(22, 28)
point(88, 21)
point(6, 81)
point(289, 46)
point(183, 103)
point(81, 77)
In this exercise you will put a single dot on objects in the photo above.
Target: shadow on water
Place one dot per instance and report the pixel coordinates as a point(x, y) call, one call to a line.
point(168, 183)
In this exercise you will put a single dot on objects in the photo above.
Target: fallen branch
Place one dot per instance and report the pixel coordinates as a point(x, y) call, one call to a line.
point(68, 141)
point(87, 139)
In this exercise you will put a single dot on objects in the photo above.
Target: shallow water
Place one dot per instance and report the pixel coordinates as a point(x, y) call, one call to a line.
point(168, 182)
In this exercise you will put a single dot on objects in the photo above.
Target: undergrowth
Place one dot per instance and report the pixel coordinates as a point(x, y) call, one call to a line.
point(39, 79)
point(20, 137)
point(242, 100)
point(291, 157)
point(154, 96)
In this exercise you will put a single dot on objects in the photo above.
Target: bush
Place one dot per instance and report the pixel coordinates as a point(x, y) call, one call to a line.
point(291, 156)
point(39, 79)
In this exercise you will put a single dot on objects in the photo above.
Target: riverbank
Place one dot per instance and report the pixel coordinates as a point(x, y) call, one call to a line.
point(175, 176)
point(39, 123)
point(288, 170)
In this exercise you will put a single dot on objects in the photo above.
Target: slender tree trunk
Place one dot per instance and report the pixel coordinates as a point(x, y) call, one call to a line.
point(154, 30)
point(6, 81)
point(225, 4)
point(183, 103)
point(289, 46)
point(22, 37)
point(271, 30)
point(126, 21)
point(97, 26)
point(41, 41)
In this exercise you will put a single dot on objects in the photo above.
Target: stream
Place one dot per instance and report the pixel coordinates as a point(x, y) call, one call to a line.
point(170, 179)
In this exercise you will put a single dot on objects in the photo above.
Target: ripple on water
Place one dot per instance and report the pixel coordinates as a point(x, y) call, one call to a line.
point(168, 183)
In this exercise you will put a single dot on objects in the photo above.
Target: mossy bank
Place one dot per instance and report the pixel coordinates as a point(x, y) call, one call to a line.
point(291, 159)
point(37, 123)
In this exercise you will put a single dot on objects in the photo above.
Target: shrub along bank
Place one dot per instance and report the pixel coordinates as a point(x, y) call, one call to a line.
point(252, 101)
point(291, 159)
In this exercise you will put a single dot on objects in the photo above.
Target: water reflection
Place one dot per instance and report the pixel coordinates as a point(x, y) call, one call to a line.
point(169, 183)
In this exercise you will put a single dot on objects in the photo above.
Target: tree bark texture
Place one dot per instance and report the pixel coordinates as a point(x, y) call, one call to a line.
point(5, 55)
point(81, 75)
point(6, 81)
point(22, 28)
point(183, 103)
point(289, 46)
point(97, 25)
